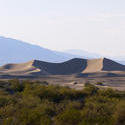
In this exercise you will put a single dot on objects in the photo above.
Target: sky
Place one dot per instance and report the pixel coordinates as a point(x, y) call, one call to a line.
point(92, 25)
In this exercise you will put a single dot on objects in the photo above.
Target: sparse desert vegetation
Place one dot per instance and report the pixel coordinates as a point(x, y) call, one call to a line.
point(62, 62)
point(37, 103)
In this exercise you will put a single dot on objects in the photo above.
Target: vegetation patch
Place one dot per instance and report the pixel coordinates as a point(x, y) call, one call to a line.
point(38, 103)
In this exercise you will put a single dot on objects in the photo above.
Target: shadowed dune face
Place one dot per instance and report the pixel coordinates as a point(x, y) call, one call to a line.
point(109, 65)
point(74, 66)
point(65, 68)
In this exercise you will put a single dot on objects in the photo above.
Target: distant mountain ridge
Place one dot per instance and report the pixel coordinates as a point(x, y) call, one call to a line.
point(16, 51)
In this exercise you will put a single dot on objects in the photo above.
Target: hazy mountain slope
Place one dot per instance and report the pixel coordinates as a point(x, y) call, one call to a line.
point(15, 51)
point(83, 53)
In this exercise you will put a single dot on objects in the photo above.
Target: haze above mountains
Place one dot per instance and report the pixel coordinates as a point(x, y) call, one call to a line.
point(16, 51)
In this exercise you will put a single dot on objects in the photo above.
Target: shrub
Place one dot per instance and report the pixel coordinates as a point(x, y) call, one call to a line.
point(90, 90)
point(16, 85)
point(68, 117)
point(33, 103)
point(3, 101)
point(119, 116)
point(99, 83)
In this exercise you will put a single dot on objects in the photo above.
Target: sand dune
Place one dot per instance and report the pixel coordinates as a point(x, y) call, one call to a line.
point(103, 64)
point(20, 69)
point(73, 66)
point(94, 65)
point(69, 67)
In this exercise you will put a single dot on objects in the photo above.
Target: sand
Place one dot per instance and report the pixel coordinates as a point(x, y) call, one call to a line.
point(74, 66)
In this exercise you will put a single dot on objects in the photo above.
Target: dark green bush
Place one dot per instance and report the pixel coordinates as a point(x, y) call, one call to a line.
point(35, 103)
point(16, 85)
point(119, 115)
point(99, 83)
point(68, 117)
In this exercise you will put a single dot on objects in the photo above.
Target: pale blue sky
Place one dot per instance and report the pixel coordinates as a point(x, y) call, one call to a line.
point(92, 25)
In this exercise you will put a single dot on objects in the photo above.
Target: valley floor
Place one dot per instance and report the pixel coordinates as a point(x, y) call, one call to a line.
point(112, 80)
point(78, 83)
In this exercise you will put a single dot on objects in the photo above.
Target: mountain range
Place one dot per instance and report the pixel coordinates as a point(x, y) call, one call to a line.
point(16, 51)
